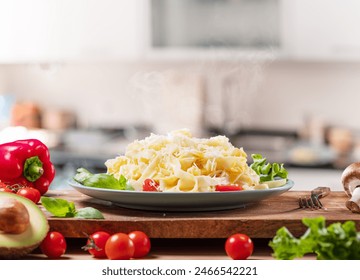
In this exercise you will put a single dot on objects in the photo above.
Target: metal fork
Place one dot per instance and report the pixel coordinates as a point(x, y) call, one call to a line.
point(313, 201)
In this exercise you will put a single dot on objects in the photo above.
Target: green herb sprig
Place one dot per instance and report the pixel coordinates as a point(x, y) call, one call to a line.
point(266, 170)
point(62, 208)
point(101, 180)
point(336, 242)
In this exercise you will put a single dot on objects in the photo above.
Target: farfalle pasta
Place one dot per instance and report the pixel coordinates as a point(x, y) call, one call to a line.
point(179, 162)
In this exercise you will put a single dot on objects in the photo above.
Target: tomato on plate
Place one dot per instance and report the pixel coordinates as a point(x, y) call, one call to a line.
point(119, 246)
point(141, 242)
point(54, 245)
point(150, 185)
point(228, 188)
point(96, 244)
point(30, 193)
point(239, 246)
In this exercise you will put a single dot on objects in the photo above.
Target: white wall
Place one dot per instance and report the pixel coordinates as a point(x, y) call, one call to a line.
point(170, 95)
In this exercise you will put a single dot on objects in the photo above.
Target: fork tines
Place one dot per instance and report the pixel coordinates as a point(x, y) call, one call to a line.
point(311, 202)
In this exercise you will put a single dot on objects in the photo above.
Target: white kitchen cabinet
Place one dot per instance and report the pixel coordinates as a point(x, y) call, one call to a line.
point(56, 30)
point(281, 29)
point(214, 28)
point(321, 29)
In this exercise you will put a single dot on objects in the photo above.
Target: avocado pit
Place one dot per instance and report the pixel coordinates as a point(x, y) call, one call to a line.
point(14, 217)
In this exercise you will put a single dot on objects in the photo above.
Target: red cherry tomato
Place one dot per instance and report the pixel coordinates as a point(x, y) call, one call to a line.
point(150, 185)
point(30, 193)
point(228, 188)
point(239, 246)
point(119, 246)
point(141, 242)
point(54, 245)
point(96, 244)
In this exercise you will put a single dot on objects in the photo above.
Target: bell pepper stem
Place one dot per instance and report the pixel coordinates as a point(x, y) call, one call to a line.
point(33, 169)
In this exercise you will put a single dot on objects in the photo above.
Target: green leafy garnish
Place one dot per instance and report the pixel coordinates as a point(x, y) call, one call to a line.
point(266, 170)
point(66, 209)
point(335, 242)
point(101, 180)
point(89, 213)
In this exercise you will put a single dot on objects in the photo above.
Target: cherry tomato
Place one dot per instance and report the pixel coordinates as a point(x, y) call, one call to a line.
point(54, 245)
point(96, 244)
point(239, 246)
point(150, 185)
point(119, 246)
point(30, 193)
point(141, 242)
point(228, 188)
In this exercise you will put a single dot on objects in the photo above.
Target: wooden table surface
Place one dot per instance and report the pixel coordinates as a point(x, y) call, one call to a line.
point(260, 220)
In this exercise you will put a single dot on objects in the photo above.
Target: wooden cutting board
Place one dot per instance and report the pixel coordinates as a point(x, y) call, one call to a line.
point(260, 220)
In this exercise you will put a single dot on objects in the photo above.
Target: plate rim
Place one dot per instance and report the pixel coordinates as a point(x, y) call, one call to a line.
point(289, 184)
point(180, 201)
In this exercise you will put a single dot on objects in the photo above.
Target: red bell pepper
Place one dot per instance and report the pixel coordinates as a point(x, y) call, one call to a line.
point(26, 163)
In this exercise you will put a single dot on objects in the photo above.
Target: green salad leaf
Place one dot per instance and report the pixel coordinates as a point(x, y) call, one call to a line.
point(62, 208)
point(89, 213)
point(101, 180)
point(266, 170)
point(59, 207)
point(335, 242)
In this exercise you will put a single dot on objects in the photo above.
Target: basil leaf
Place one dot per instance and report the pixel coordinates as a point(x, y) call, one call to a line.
point(58, 207)
point(122, 181)
point(101, 180)
point(129, 188)
point(89, 213)
point(62, 208)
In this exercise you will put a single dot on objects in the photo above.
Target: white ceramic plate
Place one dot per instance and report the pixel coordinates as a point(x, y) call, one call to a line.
point(181, 202)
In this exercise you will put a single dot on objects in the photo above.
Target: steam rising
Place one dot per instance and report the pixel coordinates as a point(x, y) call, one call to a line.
point(171, 99)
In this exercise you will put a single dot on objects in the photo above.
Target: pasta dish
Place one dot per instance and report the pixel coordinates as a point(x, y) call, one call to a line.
point(179, 162)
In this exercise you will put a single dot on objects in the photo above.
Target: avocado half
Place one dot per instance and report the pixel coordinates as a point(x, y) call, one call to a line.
point(14, 246)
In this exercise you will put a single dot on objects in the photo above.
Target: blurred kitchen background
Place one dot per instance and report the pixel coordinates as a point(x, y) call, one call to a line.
point(278, 77)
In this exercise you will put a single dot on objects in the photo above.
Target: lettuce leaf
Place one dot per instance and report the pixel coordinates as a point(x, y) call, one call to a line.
point(335, 242)
point(267, 171)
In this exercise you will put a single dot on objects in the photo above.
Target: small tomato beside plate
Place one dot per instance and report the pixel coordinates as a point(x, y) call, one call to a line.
point(239, 246)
